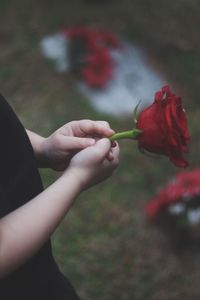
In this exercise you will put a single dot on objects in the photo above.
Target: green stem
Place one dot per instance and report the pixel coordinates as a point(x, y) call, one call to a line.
point(130, 134)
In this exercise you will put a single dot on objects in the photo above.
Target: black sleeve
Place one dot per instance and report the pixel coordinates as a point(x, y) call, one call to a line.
point(19, 177)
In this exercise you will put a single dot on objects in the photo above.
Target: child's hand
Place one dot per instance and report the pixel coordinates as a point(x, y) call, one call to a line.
point(64, 143)
point(92, 165)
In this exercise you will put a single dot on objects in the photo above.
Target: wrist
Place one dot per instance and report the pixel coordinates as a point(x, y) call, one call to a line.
point(37, 142)
point(40, 153)
point(79, 176)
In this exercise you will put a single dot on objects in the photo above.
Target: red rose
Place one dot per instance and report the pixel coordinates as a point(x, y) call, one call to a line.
point(164, 127)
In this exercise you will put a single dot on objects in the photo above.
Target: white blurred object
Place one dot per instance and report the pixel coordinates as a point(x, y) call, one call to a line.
point(194, 216)
point(133, 79)
point(55, 47)
point(176, 209)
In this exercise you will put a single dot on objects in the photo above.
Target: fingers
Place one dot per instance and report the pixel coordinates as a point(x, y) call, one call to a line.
point(102, 148)
point(114, 154)
point(107, 153)
point(110, 156)
point(104, 127)
point(97, 128)
point(67, 143)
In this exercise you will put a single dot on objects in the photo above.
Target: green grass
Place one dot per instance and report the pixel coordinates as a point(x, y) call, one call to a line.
point(105, 245)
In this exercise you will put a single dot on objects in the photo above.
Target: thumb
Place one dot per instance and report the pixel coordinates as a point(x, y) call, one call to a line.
point(103, 147)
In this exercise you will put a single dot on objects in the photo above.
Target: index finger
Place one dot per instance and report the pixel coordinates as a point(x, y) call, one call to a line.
point(95, 128)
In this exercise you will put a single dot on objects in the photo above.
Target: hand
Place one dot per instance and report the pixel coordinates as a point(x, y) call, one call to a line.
point(64, 143)
point(92, 165)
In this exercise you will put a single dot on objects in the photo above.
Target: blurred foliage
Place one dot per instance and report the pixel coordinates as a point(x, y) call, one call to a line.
point(105, 245)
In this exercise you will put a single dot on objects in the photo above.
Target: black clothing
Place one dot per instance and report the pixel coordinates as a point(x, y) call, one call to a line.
point(39, 278)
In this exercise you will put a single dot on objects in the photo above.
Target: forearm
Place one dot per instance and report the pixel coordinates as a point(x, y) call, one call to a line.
point(36, 142)
point(25, 230)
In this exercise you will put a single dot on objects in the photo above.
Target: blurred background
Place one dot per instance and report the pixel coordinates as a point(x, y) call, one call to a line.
point(106, 246)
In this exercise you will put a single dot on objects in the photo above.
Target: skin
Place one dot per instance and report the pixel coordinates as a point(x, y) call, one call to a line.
point(85, 158)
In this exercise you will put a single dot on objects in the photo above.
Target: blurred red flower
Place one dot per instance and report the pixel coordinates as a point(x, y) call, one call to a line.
point(164, 127)
point(99, 68)
point(185, 186)
point(97, 65)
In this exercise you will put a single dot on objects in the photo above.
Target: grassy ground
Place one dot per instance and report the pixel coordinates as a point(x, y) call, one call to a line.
point(105, 245)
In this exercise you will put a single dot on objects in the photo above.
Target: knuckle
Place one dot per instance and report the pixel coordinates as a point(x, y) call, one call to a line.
point(84, 121)
point(56, 139)
point(87, 124)
point(72, 123)
point(105, 123)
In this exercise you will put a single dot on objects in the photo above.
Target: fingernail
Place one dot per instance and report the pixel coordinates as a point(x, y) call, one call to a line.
point(113, 144)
